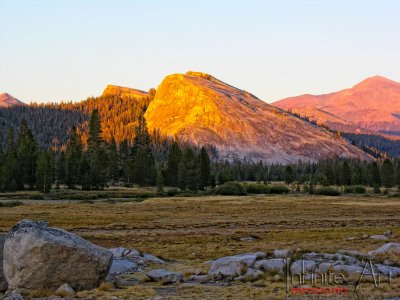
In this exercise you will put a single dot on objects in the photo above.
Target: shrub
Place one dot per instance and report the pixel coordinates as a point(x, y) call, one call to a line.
point(230, 188)
point(171, 192)
point(355, 189)
point(278, 189)
point(327, 191)
point(11, 203)
point(257, 188)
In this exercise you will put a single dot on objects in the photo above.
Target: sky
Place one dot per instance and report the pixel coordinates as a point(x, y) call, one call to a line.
point(53, 50)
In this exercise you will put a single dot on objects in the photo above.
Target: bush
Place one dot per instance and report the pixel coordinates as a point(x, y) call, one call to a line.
point(355, 189)
point(172, 192)
point(11, 203)
point(327, 191)
point(230, 188)
point(278, 189)
point(257, 188)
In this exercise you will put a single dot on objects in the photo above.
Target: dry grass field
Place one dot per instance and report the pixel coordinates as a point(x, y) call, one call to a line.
point(187, 231)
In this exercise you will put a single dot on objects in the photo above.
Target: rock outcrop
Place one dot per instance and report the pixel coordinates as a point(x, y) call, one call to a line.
point(121, 91)
point(202, 110)
point(372, 105)
point(3, 282)
point(40, 257)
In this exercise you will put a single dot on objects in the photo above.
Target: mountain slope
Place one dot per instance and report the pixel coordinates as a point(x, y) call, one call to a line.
point(201, 109)
point(6, 100)
point(373, 105)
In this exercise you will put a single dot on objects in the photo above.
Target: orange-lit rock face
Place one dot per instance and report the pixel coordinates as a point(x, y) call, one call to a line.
point(372, 105)
point(114, 90)
point(201, 109)
point(6, 100)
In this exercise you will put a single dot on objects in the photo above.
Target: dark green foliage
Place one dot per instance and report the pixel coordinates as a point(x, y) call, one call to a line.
point(377, 190)
point(113, 161)
point(257, 188)
point(205, 170)
point(376, 175)
point(278, 189)
point(355, 189)
point(44, 172)
point(289, 178)
point(346, 174)
point(230, 188)
point(327, 191)
point(73, 159)
point(160, 181)
point(388, 174)
point(174, 157)
point(189, 170)
point(11, 204)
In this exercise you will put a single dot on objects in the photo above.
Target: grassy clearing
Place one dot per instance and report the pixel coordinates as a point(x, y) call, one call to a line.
point(186, 231)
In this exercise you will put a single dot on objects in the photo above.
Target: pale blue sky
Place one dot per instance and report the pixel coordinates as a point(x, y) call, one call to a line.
point(53, 50)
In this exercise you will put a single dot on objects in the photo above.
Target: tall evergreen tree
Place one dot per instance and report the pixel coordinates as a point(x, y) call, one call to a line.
point(346, 174)
point(188, 170)
point(73, 159)
point(205, 169)
point(387, 174)
point(44, 172)
point(113, 161)
point(174, 157)
point(26, 153)
point(289, 177)
point(376, 174)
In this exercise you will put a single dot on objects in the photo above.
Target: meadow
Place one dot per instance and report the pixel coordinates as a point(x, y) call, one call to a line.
point(187, 231)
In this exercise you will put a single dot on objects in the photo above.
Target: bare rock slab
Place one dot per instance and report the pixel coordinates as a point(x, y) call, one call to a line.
point(165, 276)
point(3, 282)
point(40, 257)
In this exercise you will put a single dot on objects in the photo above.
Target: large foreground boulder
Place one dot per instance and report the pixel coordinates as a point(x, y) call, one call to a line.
point(40, 257)
point(3, 282)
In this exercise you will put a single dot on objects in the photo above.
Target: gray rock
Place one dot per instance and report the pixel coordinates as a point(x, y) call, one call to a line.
point(282, 253)
point(65, 288)
point(120, 266)
point(14, 297)
point(122, 252)
point(388, 233)
point(388, 270)
point(250, 275)
point(40, 257)
point(232, 266)
point(3, 281)
point(151, 258)
point(324, 267)
point(350, 269)
point(356, 254)
point(303, 266)
point(164, 276)
point(389, 248)
point(276, 265)
point(379, 237)
point(200, 278)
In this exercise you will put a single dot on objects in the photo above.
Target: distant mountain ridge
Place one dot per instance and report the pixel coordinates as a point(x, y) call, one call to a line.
point(121, 91)
point(371, 106)
point(6, 100)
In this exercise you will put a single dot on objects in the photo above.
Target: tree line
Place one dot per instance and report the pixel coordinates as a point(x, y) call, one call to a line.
point(149, 160)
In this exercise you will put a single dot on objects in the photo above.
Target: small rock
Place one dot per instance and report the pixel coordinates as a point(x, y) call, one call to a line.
point(14, 297)
point(388, 233)
point(351, 238)
point(365, 236)
point(271, 265)
point(277, 278)
point(250, 275)
point(379, 237)
point(282, 253)
point(233, 266)
point(65, 288)
point(200, 278)
point(350, 269)
point(388, 270)
point(324, 267)
point(120, 266)
point(151, 258)
point(122, 252)
point(302, 266)
point(389, 248)
point(164, 276)
point(354, 253)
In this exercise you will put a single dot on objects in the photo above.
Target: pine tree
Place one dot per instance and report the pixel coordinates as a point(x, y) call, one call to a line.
point(113, 161)
point(160, 181)
point(60, 168)
point(11, 171)
point(346, 174)
point(144, 169)
point(44, 172)
point(188, 170)
point(376, 174)
point(73, 159)
point(26, 154)
point(174, 157)
point(387, 174)
point(205, 170)
point(289, 178)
